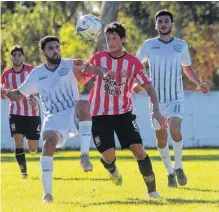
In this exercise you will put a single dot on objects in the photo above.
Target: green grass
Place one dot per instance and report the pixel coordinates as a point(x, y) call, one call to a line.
point(74, 190)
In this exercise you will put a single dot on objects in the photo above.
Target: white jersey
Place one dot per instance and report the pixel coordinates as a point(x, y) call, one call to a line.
point(165, 66)
point(58, 89)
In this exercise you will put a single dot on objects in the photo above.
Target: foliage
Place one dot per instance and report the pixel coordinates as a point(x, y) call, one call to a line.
point(25, 23)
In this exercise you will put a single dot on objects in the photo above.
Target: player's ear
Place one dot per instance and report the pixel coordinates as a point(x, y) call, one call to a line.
point(43, 53)
point(123, 40)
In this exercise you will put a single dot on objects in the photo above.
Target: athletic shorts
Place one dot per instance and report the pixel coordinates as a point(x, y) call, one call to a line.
point(29, 126)
point(61, 123)
point(124, 125)
point(171, 109)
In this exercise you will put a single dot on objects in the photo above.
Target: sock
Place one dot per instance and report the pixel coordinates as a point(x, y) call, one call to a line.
point(20, 156)
point(177, 148)
point(111, 167)
point(165, 157)
point(85, 135)
point(46, 163)
point(146, 170)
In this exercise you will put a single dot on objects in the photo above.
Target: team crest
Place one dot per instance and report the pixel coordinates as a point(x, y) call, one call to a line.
point(177, 47)
point(63, 71)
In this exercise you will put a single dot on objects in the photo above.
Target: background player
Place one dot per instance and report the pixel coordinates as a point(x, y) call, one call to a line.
point(166, 55)
point(24, 115)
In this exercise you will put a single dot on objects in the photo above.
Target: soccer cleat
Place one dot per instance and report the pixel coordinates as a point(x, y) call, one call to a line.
point(24, 175)
point(85, 163)
point(181, 177)
point(172, 181)
point(154, 195)
point(47, 198)
point(116, 177)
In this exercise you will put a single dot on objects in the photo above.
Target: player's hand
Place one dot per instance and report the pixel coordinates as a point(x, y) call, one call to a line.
point(78, 62)
point(161, 119)
point(4, 92)
point(203, 87)
point(137, 88)
point(33, 102)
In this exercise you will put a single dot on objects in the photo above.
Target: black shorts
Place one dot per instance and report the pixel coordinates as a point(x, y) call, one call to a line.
point(123, 125)
point(29, 126)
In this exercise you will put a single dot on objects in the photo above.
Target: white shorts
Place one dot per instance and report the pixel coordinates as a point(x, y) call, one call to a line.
point(171, 109)
point(62, 123)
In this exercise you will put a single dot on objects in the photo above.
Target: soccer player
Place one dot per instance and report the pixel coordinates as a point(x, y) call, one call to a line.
point(56, 82)
point(24, 115)
point(166, 56)
point(111, 106)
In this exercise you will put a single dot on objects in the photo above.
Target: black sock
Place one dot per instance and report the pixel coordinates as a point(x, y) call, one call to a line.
point(146, 170)
point(20, 156)
point(109, 166)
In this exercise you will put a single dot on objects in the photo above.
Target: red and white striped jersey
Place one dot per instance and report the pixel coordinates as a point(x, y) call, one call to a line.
point(113, 95)
point(13, 80)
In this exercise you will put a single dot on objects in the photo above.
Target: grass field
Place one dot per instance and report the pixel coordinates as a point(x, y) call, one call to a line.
point(74, 190)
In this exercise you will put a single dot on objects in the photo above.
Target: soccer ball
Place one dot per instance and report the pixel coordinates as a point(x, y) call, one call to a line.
point(89, 27)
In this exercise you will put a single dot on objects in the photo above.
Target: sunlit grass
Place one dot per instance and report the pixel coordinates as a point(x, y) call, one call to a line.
point(74, 190)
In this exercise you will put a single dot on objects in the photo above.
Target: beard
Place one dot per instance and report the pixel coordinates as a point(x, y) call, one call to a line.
point(53, 60)
point(165, 33)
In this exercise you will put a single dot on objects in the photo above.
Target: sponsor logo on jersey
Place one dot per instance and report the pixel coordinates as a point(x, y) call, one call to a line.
point(42, 78)
point(155, 47)
point(177, 47)
point(63, 71)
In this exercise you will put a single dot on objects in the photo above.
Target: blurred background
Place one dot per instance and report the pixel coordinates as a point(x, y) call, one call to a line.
point(25, 23)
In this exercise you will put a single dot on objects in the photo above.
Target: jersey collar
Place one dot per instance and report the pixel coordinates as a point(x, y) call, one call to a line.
point(166, 42)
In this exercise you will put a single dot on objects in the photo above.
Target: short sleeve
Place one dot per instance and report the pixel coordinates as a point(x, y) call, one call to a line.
point(29, 86)
point(186, 60)
point(141, 74)
point(142, 54)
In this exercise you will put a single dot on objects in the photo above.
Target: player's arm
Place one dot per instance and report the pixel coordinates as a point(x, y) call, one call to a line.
point(188, 70)
point(13, 95)
point(190, 73)
point(155, 106)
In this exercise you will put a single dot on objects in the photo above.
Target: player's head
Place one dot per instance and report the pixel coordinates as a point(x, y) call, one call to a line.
point(164, 22)
point(115, 34)
point(17, 55)
point(50, 47)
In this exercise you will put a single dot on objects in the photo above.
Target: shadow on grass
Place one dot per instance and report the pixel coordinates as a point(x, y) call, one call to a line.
point(137, 201)
point(199, 189)
point(213, 157)
point(130, 201)
point(190, 201)
point(75, 178)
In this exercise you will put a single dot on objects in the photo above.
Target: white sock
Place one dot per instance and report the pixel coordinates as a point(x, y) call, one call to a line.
point(177, 148)
point(46, 163)
point(165, 157)
point(85, 135)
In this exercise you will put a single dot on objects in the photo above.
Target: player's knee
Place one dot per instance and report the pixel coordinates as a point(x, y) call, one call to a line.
point(139, 153)
point(176, 134)
point(50, 140)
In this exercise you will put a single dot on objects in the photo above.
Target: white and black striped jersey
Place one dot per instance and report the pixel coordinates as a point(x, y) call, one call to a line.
point(165, 61)
point(58, 89)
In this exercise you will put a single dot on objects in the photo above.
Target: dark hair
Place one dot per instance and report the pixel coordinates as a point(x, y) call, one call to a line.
point(45, 40)
point(17, 48)
point(162, 13)
point(116, 27)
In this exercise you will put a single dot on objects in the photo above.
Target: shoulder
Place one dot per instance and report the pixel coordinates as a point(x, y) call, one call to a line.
point(7, 71)
point(149, 42)
point(100, 54)
point(133, 59)
point(181, 41)
point(28, 67)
